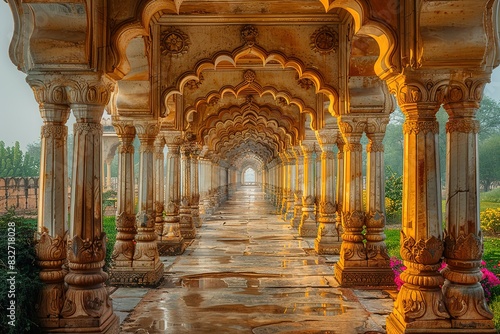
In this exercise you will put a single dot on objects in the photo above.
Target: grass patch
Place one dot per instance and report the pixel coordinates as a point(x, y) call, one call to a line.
point(109, 226)
point(491, 196)
point(392, 242)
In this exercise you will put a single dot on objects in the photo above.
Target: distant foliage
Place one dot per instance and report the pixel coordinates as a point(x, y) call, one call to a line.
point(491, 196)
point(393, 194)
point(490, 221)
point(15, 163)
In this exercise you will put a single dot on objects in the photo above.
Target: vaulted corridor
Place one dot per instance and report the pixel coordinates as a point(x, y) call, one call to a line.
point(248, 272)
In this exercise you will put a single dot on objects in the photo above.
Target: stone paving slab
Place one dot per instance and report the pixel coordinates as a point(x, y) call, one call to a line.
point(249, 272)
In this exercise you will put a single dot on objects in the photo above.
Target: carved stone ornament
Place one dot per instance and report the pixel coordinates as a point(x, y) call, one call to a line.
point(416, 127)
point(249, 76)
point(328, 208)
point(465, 247)
point(174, 42)
point(354, 219)
point(462, 125)
point(213, 101)
point(87, 251)
point(426, 252)
point(281, 101)
point(54, 131)
point(325, 40)
point(375, 219)
point(305, 83)
point(194, 84)
point(249, 34)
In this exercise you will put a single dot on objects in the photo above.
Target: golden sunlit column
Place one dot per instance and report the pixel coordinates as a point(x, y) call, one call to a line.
point(352, 266)
point(285, 184)
point(172, 242)
point(463, 294)
point(195, 189)
point(376, 250)
point(328, 240)
point(87, 306)
point(159, 186)
point(299, 184)
point(308, 227)
point(420, 303)
point(291, 172)
point(123, 251)
point(147, 264)
point(188, 230)
point(52, 206)
point(339, 187)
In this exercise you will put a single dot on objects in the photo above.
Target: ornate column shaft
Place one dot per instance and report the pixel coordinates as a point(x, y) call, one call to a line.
point(52, 206)
point(292, 175)
point(463, 294)
point(339, 187)
point(123, 251)
point(147, 264)
point(172, 242)
point(159, 187)
point(87, 306)
point(299, 184)
point(352, 266)
point(285, 186)
point(328, 240)
point(307, 227)
point(188, 230)
point(376, 250)
point(420, 304)
point(195, 189)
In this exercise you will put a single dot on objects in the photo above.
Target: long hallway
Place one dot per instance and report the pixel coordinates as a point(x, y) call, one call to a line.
point(247, 271)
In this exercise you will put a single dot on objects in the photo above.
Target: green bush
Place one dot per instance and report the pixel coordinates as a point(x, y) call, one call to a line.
point(109, 227)
point(490, 221)
point(27, 282)
point(393, 196)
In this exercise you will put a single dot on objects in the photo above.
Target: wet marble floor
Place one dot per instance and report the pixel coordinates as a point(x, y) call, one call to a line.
point(247, 271)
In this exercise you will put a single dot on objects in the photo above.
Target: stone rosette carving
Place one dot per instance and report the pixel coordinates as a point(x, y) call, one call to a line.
point(194, 84)
point(305, 83)
point(249, 35)
point(174, 42)
point(325, 40)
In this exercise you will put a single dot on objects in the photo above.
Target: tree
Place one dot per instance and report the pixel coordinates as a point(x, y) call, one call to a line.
point(394, 194)
point(489, 160)
point(488, 117)
point(14, 163)
point(34, 151)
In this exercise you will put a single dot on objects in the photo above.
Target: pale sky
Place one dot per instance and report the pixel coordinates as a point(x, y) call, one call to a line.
point(19, 116)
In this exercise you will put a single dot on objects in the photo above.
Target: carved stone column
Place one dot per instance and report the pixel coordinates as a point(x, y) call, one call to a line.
point(376, 250)
point(463, 294)
point(299, 185)
point(159, 187)
point(352, 266)
point(87, 306)
point(172, 242)
point(308, 227)
point(328, 240)
point(195, 189)
point(123, 251)
point(339, 187)
point(291, 176)
point(52, 208)
point(108, 174)
point(147, 264)
point(420, 303)
point(285, 184)
point(188, 230)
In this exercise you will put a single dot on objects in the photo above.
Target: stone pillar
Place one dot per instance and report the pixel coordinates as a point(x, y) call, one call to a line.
point(339, 188)
point(108, 174)
point(159, 187)
point(352, 266)
point(376, 250)
point(147, 264)
point(52, 206)
point(328, 240)
point(285, 184)
point(299, 184)
point(87, 306)
point(291, 176)
point(463, 294)
point(188, 230)
point(195, 188)
point(172, 242)
point(308, 227)
point(123, 251)
point(420, 305)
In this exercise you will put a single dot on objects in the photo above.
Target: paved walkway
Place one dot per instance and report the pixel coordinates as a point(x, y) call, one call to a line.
point(248, 272)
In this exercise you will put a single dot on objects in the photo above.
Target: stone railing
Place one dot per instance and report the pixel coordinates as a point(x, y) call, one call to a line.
point(19, 193)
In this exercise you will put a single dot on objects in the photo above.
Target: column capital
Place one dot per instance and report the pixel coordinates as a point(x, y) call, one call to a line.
point(147, 130)
point(327, 136)
point(125, 130)
point(48, 89)
point(172, 138)
point(90, 89)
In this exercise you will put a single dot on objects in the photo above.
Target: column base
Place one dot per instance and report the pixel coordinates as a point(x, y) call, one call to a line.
point(364, 276)
point(327, 248)
point(111, 325)
point(137, 276)
point(171, 247)
point(308, 229)
point(394, 326)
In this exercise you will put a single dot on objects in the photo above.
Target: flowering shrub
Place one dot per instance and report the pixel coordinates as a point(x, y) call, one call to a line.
point(490, 220)
point(489, 280)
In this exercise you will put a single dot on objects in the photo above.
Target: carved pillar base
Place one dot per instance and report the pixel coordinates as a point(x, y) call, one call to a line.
point(188, 231)
point(328, 241)
point(171, 247)
point(138, 276)
point(308, 227)
point(363, 276)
